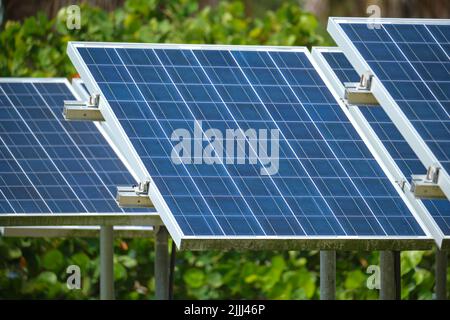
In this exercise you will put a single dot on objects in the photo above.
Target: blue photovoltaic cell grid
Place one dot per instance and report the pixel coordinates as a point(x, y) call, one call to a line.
point(391, 138)
point(15, 193)
point(412, 62)
point(49, 165)
point(341, 66)
point(327, 183)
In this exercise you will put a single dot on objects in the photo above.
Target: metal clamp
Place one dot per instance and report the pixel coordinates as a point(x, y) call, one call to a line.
point(359, 93)
point(433, 173)
point(135, 196)
point(426, 186)
point(402, 184)
point(365, 82)
point(82, 111)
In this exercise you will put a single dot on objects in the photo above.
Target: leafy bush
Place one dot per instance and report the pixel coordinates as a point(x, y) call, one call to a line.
point(35, 268)
point(37, 47)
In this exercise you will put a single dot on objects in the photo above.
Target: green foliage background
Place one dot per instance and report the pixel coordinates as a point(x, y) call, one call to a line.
point(35, 268)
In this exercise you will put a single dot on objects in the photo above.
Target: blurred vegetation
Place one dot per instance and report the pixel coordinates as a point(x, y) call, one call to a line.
point(35, 268)
point(37, 47)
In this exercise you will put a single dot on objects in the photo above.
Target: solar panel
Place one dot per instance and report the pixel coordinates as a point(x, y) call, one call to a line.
point(340, 65)
point(16, 194)
point(333, 60)
point(410, 61)
point(327, 183)
point(52, 166)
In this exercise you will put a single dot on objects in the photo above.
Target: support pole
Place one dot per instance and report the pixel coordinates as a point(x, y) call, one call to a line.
point(173, 257)
point(107, 263)
point(327, 275)
point(398, 275)
point(162, 264)
point(441, 274)
point(390, 275)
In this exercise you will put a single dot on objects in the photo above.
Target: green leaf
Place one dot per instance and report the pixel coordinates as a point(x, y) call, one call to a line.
point(194, 278)
point(419, 276)
point(127, 261)
point(214, 279)
point(410, 260)
point(81, 259)
point(273, 276)
point(13, 253)
point(251, 278)
point(47, 277)
point(307, 281)
point(355, 279)
point(53, 260)
point(120, 272)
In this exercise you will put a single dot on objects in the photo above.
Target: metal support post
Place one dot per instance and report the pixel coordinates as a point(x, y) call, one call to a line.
point(107, 263)
point(327, 275)
point(390, 275)
point(173, 257)
point(441, 274)
point(162, 263)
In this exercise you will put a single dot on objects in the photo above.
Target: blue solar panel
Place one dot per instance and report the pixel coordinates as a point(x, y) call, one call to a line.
point(50, 165)
point(327, 182)
point(393, 141)
point(341, 66)
point(412, 62)
point(15, 190)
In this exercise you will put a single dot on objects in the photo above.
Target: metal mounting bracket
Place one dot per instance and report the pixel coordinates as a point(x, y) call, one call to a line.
point(426, 186)
point(359, 93)
point(82, 111)
point(135, 196)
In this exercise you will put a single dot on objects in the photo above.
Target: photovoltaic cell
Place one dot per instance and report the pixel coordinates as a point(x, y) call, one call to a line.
point(411, 60)
point(393, 141)
point(49, 165)
point(341, 67)
point(327, 183)
point(15, 190)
